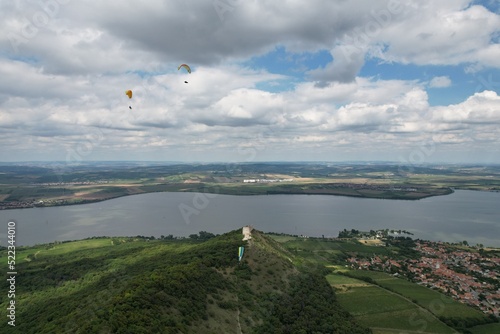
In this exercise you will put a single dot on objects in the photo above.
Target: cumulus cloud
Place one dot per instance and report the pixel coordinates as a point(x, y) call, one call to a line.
point(347, 61)
point(482, 108)
point(450, 34)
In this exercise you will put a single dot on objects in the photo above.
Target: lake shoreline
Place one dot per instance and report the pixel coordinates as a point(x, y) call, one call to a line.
point(465, 215)
point(219, 191)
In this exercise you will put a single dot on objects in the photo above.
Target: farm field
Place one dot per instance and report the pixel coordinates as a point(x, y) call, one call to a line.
point(434, 301)
point(318, 245)
point(486, 329)
point(327, 252)
point(382, 310)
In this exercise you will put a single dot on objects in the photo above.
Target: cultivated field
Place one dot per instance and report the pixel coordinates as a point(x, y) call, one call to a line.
point(382, 310)
point(434, 301)
point(486, 329)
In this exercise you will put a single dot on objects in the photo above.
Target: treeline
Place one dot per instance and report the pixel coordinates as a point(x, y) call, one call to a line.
point(353, 233)
point(463, 324)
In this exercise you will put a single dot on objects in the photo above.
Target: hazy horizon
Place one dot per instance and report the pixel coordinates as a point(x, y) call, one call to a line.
point(341, 162)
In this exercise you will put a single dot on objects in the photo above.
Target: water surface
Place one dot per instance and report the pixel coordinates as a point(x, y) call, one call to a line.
point(464, 215)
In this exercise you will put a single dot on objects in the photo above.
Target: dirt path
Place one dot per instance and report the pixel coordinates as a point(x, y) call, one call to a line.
point(238, 330)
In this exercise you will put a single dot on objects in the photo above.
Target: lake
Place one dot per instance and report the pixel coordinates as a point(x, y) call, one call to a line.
point(464, 215)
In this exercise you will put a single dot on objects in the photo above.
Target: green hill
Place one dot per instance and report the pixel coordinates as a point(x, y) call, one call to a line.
point(135, 285)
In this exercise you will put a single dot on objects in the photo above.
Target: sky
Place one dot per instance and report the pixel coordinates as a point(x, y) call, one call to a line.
point(414, 81)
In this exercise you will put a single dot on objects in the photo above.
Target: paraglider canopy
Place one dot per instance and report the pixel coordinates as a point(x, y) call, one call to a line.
point(129, 94)
point(241, 250)
point(185, 66)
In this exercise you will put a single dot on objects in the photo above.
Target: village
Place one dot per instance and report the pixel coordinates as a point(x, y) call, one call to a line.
point(469, 275)
point(38, 203)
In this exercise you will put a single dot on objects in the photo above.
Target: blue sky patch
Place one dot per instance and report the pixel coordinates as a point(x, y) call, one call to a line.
point(281, 61)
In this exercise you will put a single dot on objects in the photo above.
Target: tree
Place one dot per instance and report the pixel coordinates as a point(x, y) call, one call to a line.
point(206, 235)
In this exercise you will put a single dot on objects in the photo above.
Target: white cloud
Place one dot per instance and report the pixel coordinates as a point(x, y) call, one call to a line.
point(440, 82)
point(481, 108)
point(427, 33)
point(441, 34)
point(62, 80)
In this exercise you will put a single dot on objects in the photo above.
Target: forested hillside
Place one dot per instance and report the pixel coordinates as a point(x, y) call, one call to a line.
point(132, 285)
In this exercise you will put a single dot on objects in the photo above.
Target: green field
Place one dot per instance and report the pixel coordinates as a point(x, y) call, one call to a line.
point(386, 312)
point(319, 245)
point(486, 329)
point(97, 246)
point(337, 280)
point(434, 301)
point(328, 252)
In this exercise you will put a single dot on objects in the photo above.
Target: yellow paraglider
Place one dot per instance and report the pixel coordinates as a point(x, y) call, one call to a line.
point(129, 94)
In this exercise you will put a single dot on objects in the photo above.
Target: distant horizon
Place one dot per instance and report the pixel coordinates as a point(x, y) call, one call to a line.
point(185, 162)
